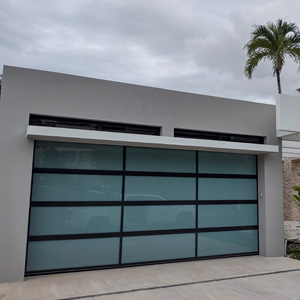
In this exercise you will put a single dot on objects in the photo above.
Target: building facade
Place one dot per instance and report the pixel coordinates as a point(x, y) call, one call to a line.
point(291, 171)
point(98, 174)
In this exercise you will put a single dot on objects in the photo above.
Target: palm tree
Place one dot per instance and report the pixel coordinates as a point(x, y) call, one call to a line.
point(275, 42)
point(296, 198)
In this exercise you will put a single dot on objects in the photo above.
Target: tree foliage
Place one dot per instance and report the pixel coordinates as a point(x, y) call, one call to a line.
point(275, 42)
point(296, 197)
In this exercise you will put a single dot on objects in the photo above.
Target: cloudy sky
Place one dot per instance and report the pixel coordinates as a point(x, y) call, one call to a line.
point(187, 45)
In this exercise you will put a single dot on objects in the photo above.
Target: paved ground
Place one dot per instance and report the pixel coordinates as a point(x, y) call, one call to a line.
point(242, 278)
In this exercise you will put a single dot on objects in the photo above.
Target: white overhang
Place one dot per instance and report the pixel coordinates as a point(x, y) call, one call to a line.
point(125, 139)
point(287, 117)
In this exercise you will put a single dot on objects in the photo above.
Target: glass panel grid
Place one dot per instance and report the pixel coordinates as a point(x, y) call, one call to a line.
point(227, 242)
point(148, 188)
point(76, 187)
point(227, 189)
point(143, 218)
point(74, 220)
point(227, 215)
point(77, 156)
point(49, 255)
point(159, 217)
point(226, 163)
point(158, 247)
point(160, 160)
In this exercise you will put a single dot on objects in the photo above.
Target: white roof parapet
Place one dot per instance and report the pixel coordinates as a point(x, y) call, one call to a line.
point(125, 139)
point(287, 117)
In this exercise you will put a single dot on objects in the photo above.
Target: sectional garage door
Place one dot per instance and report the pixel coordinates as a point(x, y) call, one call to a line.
point(99, 206)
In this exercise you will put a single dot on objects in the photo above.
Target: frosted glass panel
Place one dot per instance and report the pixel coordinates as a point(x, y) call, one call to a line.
point(160, 160)
point(227, 215)
point(159, 217)
point(77, 156)
point(226, 163)
point(159, 188)
point(159, 247)
point(74, 220)
point(227, 242)
point(49, 255)
point(227, 189)
point(70, 187)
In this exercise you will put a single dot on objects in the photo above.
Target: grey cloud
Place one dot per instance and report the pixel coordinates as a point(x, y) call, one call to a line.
point(189, 45)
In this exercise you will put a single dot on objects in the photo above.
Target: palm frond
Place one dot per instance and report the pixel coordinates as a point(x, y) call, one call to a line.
point(296, 197)
point(253, 61)
point(258, 44)
point(274, 41)
point(296, 188)
point(261, 31)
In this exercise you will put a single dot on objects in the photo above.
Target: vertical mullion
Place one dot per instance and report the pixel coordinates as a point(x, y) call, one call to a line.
point(29, 211)
point(257, 204)
point(122, 207)
point(196, 234)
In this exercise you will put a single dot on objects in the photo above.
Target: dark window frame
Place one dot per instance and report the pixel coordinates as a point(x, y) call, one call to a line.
point(217, 136)
point(122, 203)
point(73, 123)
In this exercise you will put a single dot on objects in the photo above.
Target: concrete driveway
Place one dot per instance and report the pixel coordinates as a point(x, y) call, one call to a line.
point(240, 278)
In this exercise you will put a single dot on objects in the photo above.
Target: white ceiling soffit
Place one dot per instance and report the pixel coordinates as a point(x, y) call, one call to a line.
point(124, 139)
point(287, 117)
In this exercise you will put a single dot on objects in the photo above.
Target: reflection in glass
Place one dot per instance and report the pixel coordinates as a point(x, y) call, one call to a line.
point(70, 187)
point(227, 215)
point(227, 242)
point(227, 189)
point(159, 247)
point(159, 188)
point(74, 220)
point(226, 163)
point(47, 255)
point(160, 160)
point(159, 217)
point(62, 220)
point(77, 156)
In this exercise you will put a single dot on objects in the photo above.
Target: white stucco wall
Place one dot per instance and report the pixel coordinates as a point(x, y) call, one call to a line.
point(30, 91)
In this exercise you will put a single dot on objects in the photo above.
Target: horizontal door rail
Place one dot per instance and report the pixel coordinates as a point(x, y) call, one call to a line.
point(137, 203)
point(138, 173)
point(135, 233)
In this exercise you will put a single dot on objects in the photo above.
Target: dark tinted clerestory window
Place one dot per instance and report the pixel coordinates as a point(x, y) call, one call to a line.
point(50, 121)
point(217, 136)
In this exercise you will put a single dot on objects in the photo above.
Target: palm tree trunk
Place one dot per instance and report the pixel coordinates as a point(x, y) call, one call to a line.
point(278, 81)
